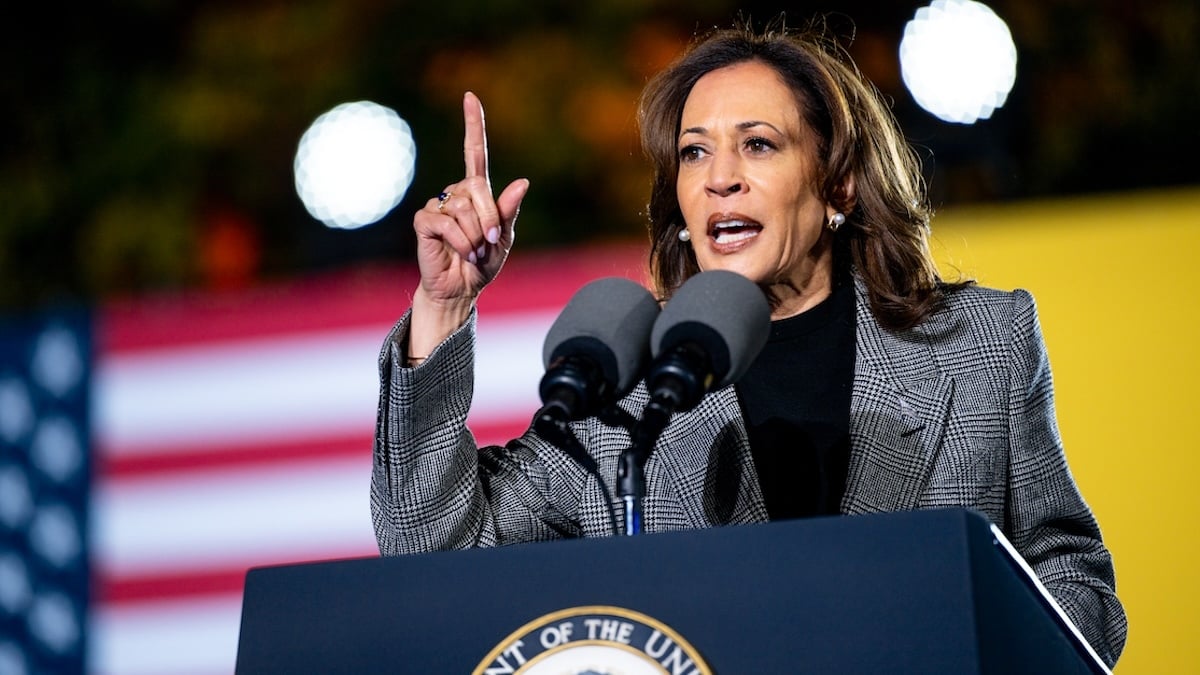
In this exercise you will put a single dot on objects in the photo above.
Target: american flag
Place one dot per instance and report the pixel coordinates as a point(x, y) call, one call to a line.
point(44, 471)
point(234, 430)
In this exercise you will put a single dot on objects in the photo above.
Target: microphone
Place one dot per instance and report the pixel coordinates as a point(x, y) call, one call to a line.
point(706, 337)
point(596, 349)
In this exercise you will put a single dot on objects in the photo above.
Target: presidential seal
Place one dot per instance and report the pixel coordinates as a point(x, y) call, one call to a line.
point(594, 640)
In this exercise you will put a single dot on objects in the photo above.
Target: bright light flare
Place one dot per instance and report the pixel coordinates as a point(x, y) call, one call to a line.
point(958, 60)
point(354, 164)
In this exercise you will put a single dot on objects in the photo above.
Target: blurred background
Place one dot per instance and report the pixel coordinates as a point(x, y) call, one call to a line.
point(150, 144)
point(164, 290)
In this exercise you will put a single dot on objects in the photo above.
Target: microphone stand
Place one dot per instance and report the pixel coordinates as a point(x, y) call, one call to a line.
point(682, 376)
point(631, 474)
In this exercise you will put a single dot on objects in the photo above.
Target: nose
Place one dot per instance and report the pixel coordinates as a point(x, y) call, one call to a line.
point(724, 175)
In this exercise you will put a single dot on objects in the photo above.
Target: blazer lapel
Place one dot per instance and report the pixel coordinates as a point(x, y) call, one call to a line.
point(899, 406)
point(711, 465)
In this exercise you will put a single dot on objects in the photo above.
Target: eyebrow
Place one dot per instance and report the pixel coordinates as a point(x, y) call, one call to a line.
point(741, 126)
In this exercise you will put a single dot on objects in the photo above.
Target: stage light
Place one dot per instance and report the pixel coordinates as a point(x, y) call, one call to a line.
point(958, 60)
point(354, 164)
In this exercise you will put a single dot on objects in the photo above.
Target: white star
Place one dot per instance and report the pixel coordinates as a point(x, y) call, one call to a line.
point(57, 364)
point(16, 411)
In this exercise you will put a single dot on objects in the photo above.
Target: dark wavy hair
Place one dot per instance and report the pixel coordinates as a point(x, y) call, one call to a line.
point(886, 233)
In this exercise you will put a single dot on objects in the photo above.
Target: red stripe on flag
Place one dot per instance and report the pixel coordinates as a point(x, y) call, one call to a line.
point(150, 465)
point(111, 589)
point(546, 280)
point(363, 297)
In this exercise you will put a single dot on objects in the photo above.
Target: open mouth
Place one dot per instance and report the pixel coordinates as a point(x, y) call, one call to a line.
point(733, 230)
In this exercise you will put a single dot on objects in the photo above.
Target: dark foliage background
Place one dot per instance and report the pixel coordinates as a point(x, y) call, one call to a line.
point(150, 144)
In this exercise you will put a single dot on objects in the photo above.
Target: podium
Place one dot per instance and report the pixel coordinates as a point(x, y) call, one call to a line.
point(912, 592)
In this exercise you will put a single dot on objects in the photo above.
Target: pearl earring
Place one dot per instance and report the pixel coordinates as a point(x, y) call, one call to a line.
point(835, 221)
point(684, 235)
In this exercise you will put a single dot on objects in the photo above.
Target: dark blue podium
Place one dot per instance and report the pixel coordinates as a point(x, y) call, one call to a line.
point(914, 592)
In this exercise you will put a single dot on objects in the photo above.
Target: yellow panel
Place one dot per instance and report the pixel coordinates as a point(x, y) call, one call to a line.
point(1115, 279)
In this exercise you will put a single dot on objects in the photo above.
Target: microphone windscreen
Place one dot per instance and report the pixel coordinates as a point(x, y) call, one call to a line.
point(609, 321)
point(724, 313)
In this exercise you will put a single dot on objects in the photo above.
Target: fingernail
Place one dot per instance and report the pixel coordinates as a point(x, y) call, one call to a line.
point(471, 257)
point(481, 252)
point(493, 235)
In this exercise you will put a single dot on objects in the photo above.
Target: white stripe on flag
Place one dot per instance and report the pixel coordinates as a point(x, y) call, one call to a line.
point(289, 387)
point(237, 392)
point(223, 518)
point(152, 638)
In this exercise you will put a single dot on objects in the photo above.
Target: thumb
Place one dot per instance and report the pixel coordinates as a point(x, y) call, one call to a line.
point(509, 203)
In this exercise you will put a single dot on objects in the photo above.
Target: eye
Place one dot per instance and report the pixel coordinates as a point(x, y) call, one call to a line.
point(690, 153)
point(759, 145)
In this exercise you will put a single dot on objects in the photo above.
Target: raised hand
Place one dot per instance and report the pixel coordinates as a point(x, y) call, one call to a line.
point(463, 238)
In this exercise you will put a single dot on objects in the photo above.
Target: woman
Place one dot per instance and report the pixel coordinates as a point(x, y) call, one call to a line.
point(773, 158)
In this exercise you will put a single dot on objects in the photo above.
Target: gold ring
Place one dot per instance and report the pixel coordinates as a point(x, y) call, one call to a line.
point(442, 199)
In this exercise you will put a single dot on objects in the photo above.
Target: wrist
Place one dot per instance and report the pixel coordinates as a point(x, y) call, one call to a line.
point(432, 321)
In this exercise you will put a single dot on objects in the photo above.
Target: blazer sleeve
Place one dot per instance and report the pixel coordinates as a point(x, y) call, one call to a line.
point(431, 487)
point(1049, 522)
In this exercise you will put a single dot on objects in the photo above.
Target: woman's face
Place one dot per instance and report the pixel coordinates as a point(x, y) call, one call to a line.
point(747, 185)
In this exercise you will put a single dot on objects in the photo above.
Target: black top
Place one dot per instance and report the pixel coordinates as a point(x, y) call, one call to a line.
point(796, 401)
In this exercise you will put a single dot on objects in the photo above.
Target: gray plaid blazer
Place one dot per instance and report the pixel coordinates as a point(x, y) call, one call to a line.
point(956, 412)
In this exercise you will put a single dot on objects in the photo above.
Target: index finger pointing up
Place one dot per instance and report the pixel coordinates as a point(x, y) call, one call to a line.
point(475, 143)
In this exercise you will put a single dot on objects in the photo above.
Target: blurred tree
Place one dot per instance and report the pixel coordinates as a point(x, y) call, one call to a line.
point(1112, 94)
point(152, 143)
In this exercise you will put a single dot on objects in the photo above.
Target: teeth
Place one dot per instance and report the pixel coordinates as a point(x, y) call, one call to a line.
point(735, 236)
point(732, 231)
